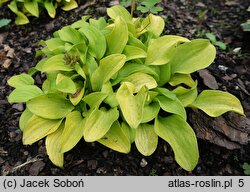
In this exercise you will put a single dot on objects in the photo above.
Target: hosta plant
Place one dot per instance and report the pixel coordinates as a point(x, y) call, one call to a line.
point(117, 83)
point(25, 8)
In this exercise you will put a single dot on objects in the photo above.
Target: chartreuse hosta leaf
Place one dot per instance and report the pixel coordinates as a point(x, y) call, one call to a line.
point(76, 97)
point(32, 7)
point(20, 80)
point(181, 137)
point(141, 79)
point(118, 37)
point(65, 84)
point(24, 93)
point(53, 145)
point(192, 56)
point(98, 123)
point(51, 106)
point(95, 37)
point(109, 66)
point(150, 112)
point(111, 98)
point(146, 139)
point(38, 127)
point(21, 18)
point(215, 103)
point(167, 44)
point(71, 4)
point(131, 105)
point(50, 8)
point(116, 139)
point(70, 35)
point(95, 99)
point(72, 132)
point(178, 79)
point(133, 52)
point(25, 117)
point(119, 11)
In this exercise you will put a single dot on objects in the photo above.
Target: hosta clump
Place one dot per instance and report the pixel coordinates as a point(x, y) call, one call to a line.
point(117, 83)
point(25, 8)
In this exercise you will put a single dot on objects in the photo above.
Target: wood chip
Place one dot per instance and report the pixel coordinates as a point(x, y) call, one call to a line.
point(208, 79)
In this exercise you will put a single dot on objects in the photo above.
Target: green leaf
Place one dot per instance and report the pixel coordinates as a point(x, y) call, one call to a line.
point(141, 79)
point(193, 56)
point(181, 137)
point(21, 18)
point(51, 106)
point(55, 63)
point(111, 98)
point(150, 112)
point(128, 131)
point(76, 97)
point(24, 93)
point(4, 22)
point(215, 103)
point(211, 37)
point(98, 123)
point(70, 35)
point(119, 11)
point(156, 25)
point(136, 43)
point(32, 7)
point(118, 37)
point(95, 99)
point(37, 128)
point(53, 146)
point(95, 37)
point(116, 139)
point(166, 44)
point(172, 106)
point(20, 80)
point(186, 96)
point(49, 6)
point(72, 132)
point(165, 74)
point(146, 139)
point(71, 4)
point(24, 118)
point(65, 84)
point(131, 106)
point(130, 68)
point(221, 45)
point(133, 52)
point(178, 79)
point(108, 66)
point(55, 43)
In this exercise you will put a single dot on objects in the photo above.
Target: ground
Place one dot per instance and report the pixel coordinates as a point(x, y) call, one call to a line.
point(192, 19)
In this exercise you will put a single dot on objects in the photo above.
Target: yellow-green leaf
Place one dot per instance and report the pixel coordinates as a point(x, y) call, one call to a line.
point(119, 11)
point(181, 137)
point(131, 105)
point(76, 97)
point(24, 93)
point(50, 8)
point(71, 4)
point(51, 106)
point(95, 37)
point(172, 106)
point(24, 118)
point(37, 128)
point(118, 37)
point(98, 123)
point(146, 139)
point(140, 79)
point(55, 63)
point(70, 35)
point(167, 46)
point(21, 18)
point(32, 7)
point(192, 56)
point(65, 84)
point(72, 132)
point(53, 146)
point(20, 80)
point(94, 99)
point(178, 79)
point(150, 112)
point(215, 103)
point(108, 67)
point(133, 52)
point(116, 139)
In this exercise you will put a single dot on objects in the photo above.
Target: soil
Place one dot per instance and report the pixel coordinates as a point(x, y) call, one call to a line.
point(191, 19)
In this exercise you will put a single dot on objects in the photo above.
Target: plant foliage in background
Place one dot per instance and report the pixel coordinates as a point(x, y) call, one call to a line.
point(214, 41)
point(4, 22)
point(246, 26)
point(117, 83)
point(144, 6)
point(25, 8)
